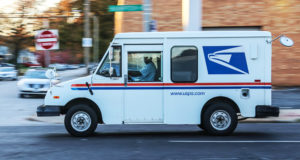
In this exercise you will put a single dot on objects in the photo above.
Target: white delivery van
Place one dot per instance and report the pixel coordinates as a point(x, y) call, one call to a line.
point(204, 78)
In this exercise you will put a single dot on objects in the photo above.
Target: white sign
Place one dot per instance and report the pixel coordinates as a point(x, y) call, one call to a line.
point(46, 40)
point(87, 42)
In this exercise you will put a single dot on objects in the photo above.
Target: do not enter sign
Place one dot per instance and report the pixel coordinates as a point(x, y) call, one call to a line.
point(46, 40)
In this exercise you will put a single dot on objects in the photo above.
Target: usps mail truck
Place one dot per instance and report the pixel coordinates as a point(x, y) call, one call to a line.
point(209, 79)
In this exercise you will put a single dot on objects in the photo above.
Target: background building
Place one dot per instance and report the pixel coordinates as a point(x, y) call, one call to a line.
point(277, 16)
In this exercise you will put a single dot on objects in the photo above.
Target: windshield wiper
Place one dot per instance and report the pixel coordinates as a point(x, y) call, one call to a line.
point(90, 90)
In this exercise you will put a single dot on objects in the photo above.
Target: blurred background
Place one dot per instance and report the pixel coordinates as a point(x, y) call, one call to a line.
point(72, 36)
point(21, 19)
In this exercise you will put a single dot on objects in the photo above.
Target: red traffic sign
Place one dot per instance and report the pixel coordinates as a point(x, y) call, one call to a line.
point(47, 40)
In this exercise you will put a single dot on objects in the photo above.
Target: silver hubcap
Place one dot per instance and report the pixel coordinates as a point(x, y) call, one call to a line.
point(81, 121)
point(220, 120)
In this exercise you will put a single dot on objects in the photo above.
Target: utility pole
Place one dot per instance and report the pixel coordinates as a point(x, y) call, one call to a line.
point(147, 15)
point(87, 33)
point(192, 15)
point(96, 39)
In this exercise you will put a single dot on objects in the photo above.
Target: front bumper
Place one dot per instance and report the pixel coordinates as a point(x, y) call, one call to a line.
point(43, 111)
point(263, 111)
point(33, 92)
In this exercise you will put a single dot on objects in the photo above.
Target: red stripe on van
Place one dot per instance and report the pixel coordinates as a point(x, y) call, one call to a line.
point(79, 85)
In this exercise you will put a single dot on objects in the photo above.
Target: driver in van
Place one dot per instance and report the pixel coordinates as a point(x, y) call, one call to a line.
point(148, 71)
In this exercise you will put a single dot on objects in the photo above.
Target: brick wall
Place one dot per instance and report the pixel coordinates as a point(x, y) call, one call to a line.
point(277, 16)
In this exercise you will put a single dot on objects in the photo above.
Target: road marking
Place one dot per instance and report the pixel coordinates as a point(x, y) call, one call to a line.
point(252, 141)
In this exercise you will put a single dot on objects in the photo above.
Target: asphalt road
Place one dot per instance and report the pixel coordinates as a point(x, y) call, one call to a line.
point(151, 142)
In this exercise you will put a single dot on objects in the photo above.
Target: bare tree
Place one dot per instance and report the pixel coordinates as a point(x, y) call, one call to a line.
point(16, 28)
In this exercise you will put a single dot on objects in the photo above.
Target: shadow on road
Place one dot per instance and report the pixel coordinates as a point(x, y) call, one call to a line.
point(165, 135)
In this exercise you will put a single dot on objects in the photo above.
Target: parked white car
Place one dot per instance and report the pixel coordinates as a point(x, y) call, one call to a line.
point(8, 73)
point(34, 82)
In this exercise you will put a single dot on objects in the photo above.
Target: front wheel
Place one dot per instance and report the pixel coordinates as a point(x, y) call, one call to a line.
point(81, 120)
point(219, 119)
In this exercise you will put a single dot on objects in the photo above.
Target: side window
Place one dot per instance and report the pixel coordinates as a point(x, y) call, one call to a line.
point(115, 63)
point(184, 64)
point(144, 67)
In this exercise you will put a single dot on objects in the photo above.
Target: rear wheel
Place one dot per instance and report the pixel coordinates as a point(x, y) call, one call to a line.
point(219, 119)
point(81, 120)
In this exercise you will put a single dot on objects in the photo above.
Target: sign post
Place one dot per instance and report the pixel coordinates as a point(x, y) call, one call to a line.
point(147, 15)
point(47, 40)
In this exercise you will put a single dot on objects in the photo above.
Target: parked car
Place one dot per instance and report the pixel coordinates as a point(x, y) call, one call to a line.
point(6, 65)
point(9, 73)
point(81, 65)
point(72, 66)
point(58, 67)
point(30, 64)
point(34, 82)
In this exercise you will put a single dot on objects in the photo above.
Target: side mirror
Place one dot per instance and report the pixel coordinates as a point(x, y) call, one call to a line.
point(286, 41)
point(50, 73)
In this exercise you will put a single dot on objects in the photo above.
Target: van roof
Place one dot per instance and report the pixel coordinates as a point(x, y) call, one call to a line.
point(183, 34)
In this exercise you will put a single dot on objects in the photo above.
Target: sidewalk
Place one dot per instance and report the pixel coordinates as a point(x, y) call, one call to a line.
point(286, 115)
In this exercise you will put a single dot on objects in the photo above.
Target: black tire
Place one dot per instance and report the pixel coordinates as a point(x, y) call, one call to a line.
point(225, 109)
point(83, 108)
point(200, 126)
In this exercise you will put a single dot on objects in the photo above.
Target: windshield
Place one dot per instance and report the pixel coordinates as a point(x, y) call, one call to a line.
point(6, 69)
point(35, 74)
point(115, 64)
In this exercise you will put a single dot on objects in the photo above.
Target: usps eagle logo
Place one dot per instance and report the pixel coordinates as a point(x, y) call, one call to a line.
point(225, 60)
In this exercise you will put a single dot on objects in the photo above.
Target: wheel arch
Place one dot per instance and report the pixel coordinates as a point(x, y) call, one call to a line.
point(220, 99)
point(90, 103)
